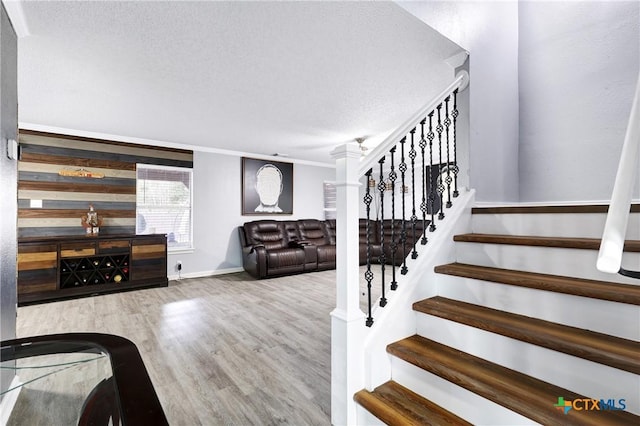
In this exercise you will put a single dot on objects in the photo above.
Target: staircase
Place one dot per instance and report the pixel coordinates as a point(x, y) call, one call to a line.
point(523, 329)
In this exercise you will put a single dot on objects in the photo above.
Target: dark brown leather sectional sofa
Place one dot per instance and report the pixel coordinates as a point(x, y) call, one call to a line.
point(273, 248)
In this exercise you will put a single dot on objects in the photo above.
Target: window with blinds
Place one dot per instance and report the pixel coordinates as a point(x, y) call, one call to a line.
point(164, 197)
point(329, 200)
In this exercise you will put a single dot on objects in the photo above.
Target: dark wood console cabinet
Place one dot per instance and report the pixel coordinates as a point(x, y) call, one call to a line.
point(53, 268)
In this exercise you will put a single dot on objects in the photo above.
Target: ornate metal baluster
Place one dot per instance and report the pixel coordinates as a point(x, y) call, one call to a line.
point(403, 234)
point(368, 275)
point(432, 188)
point(381, 188)
point(394, 244)
point(454, 114)
point(423, 205)
point(412, 154)
point(440, 186)
point(447, 123)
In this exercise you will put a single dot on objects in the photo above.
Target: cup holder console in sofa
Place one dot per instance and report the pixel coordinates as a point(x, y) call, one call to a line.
point(273, 248)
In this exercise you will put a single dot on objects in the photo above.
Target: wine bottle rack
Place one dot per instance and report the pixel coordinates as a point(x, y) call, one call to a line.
point(96, 270)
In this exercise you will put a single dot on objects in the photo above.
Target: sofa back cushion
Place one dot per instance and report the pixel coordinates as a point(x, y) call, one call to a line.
point(270, 233)
point(373, 229)
point(330, 230)
point(313, 231)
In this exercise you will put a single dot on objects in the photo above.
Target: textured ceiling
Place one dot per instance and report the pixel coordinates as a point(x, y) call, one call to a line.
point(261, 77)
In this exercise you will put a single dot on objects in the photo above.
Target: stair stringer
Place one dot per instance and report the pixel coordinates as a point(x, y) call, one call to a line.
point(397, 319)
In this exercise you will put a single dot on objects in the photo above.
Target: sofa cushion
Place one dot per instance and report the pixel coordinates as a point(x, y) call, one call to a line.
point(326, 254)
point(286, 258)
point(330, 230)
point(313, 231)
point(269, 233)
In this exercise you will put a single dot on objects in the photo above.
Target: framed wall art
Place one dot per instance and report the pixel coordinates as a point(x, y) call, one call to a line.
point(267, 187)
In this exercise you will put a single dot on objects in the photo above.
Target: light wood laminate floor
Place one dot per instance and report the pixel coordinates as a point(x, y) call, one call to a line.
point(225, 350)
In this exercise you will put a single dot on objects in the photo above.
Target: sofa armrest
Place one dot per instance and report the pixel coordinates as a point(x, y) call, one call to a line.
point(254, 260)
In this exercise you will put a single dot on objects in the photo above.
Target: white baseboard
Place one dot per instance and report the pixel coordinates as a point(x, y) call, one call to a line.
point(9, 400)
point(201, 274)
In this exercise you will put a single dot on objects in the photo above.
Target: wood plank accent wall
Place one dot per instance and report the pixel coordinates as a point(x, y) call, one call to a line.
point(65, 199)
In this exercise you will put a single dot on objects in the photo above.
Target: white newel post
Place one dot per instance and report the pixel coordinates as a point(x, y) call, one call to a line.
point(347, 320)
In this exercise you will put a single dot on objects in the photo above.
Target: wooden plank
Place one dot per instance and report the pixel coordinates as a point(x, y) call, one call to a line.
point(597, 347)
point(34, 157)
point(70, 231)
point(78, 245)
point(76, 249)
point(50, 222)
point(42, 260)
point(38, 247)
point(603, 290)
point(73, 213)
point(79, 205)
point(85, 197)
point(38, 264)
point(35, 137)
point(518, 392)
point(168, 160)
point(77, 252)
point(55, 168)
point(558, 242)
point(113, 244)
point(152, 248)
point(34, 257)
point(27, 288)
point(150, 255)
point(592, 208)
point(94, 187)
point(37, 280)
point(149, 239)
point(72, 180)
point(396, 405)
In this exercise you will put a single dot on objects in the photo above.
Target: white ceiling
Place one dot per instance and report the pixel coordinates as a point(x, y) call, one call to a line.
point(260, 77)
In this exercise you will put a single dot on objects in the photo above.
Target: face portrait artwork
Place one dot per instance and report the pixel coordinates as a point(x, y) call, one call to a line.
point(267, 187)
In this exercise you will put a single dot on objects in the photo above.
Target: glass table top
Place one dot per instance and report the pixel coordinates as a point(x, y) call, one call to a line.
point(79, 378)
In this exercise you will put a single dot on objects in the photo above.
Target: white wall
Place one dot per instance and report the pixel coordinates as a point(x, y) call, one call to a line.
point(489, 31)
point(578, 70)
point(217, 211)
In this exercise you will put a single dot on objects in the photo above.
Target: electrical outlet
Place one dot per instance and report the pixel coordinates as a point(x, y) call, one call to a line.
point(179, 265)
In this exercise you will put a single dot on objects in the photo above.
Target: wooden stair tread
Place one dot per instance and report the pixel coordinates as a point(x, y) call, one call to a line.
point(527, 240)
point(603, 290)
point(597, 347)
point(518, 392)
point(586, 208)
point(394, 404)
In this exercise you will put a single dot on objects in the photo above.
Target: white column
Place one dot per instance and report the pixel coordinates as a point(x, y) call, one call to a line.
point(347, 320)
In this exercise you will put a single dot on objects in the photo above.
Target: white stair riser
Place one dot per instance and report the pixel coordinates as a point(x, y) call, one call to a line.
point(580, 225)
point(616, 319)
point(456, 399)
point(365, 418)
point(547, 260)
point(576, 374)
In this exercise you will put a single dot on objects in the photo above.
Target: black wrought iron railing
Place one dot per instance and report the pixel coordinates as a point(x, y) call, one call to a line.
point(398, 217)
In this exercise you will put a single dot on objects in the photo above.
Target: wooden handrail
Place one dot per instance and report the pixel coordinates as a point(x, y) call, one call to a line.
point(611, 247)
